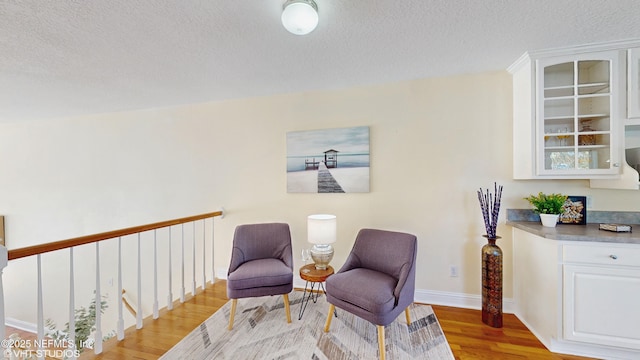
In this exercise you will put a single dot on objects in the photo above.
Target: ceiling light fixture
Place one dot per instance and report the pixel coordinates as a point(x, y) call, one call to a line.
point(300, 17)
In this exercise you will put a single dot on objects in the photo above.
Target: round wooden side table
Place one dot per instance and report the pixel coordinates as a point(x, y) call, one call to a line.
point(310, 274)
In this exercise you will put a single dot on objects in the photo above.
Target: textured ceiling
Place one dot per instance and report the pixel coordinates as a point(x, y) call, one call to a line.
point(72, 57)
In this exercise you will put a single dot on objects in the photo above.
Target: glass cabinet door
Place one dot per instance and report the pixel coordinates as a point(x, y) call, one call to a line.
point(574, 122)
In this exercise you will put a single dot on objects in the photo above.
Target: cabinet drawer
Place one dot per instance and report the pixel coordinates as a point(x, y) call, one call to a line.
point(605, 255)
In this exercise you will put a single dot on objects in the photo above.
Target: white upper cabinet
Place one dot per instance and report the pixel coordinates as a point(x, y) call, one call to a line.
point(633, 87)
point(571, 110)
point(579, 112)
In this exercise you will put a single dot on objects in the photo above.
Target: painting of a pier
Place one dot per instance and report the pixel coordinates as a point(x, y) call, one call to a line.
point(328, 161)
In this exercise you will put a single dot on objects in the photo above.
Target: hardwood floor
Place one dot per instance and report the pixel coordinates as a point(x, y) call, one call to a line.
point(468, 337)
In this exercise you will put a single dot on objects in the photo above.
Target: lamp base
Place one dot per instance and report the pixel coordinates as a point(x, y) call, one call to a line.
point(321, 255)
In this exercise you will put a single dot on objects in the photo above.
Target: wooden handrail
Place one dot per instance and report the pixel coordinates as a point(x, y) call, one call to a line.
point(127, 305)
point(87, 239)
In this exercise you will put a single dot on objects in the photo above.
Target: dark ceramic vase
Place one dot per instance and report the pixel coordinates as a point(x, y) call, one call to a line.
point(492, 283)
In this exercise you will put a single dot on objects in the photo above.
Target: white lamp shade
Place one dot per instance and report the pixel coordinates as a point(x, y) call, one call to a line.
point(300, 17)
point(321, 229)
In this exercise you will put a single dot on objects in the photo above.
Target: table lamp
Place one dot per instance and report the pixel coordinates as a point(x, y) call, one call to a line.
point(321, 232)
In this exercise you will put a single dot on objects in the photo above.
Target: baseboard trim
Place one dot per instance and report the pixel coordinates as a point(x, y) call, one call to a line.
point(458, 300)
point(21, 325)
point(593, 351)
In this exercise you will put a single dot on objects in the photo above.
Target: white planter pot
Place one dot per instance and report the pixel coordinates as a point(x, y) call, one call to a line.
point(549, 220)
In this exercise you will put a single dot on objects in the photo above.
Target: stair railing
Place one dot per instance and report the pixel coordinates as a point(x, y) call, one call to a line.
point(37, 250)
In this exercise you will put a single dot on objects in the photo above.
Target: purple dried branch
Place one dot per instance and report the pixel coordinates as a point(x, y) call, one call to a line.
point(490, 206)
point(484, 207)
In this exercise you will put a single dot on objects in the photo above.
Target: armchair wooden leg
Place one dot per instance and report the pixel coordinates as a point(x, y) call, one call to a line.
point(406, 313)
point(332, 308)
point(381, 341)
point(234, 302)
point(286, 307)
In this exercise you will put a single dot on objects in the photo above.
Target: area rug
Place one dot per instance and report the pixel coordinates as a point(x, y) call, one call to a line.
point(261, 331)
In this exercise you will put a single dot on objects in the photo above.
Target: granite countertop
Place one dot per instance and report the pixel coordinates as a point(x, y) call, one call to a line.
point(527, 220)
point(588, 232)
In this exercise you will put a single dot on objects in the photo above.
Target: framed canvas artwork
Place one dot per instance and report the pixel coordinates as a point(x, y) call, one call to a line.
point(328, 161)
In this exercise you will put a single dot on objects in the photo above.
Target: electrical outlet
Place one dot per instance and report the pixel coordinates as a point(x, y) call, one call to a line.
point(453, 271)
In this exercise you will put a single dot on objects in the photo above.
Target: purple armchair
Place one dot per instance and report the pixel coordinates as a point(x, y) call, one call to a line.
point(261, 264)
point(377, 282)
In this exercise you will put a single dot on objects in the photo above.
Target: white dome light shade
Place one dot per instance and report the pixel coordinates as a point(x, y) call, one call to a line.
point(300, 17)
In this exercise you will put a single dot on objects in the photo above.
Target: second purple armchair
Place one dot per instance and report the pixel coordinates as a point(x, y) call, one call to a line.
point(377, 281)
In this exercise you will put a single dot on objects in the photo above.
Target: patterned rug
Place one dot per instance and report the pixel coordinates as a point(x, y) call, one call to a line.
point(261, 331)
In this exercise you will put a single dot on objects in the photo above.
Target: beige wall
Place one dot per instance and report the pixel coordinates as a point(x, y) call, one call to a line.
point(434, 142)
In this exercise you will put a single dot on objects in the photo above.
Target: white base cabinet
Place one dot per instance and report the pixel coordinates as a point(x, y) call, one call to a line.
point(601, 305)
point(580, 298)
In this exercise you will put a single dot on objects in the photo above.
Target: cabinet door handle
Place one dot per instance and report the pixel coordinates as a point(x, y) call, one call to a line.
point(614, 257)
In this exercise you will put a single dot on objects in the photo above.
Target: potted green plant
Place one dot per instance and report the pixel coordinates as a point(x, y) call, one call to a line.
point(548, 206)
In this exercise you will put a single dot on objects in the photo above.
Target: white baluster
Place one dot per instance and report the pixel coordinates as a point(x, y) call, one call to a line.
point(4, 261)
point(170, 297)
point(139, 309)
point(182, 267)
point(72, 303)
point(193, 260)
point(204, 254)
point(97, 346)
point(155, 275)
point(120, 324)
point(213, 268)
point(40, 323)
